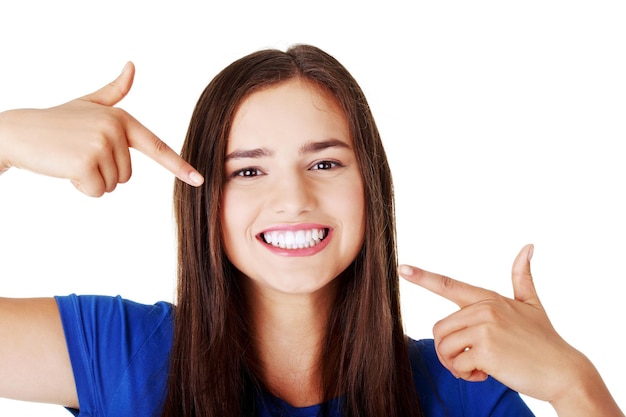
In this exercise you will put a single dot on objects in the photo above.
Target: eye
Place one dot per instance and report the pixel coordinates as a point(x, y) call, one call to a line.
point(325, 165)
point(247, 173)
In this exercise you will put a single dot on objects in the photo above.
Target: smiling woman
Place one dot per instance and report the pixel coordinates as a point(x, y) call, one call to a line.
point(288, 286)
point(291, 114)
point(306, 180)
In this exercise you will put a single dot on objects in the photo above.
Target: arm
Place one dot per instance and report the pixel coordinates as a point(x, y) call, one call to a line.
point(514, 341)
point(87, 141)
point(34, 360)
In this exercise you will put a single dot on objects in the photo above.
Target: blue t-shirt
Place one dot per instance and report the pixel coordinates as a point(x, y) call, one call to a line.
point(119, 352)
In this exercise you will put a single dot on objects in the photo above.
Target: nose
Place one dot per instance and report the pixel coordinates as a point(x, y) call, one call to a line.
point(292, 195)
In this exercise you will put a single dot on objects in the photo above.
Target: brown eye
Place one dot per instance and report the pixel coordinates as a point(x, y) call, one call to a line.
point(324, 165)
point(247, 172)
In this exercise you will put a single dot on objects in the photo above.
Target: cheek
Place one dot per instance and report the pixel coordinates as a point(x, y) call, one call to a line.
point(353, 207)
point(239, 210)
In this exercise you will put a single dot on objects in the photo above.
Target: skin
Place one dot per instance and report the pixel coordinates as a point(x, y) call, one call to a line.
point(87, 141)
point(306, 175)
point(513, 341)
point(94, 155)
point(34, 361)
point(291, 166)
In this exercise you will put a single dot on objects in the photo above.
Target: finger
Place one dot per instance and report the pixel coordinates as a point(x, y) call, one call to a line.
point(457, 352)
point(465, 367)
point(523, 285)
point(458, 292)
point(123, 164)
point(473, 316)
point(146, 142)
point(448, 347)
point(112, 93)
point(108, 171)
point(91, 184)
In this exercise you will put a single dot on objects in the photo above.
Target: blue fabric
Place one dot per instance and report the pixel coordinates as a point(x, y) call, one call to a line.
point(119, 353)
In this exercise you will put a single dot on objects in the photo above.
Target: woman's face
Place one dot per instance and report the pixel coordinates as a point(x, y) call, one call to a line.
point(293, 210)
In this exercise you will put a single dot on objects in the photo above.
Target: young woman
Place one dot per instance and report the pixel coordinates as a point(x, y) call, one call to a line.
point(288, 292)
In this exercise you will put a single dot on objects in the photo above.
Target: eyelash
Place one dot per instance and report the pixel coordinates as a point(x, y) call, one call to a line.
point(329, 164)
point(242, 172)
point(318, 166)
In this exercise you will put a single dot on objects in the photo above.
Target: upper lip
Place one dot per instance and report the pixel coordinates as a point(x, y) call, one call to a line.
point(280, 231)
point(294, 227)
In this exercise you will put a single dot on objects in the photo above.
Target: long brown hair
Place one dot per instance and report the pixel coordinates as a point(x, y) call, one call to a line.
point(365, 356)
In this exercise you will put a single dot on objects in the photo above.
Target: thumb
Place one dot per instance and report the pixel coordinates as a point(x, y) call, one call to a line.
point(523, 285)
point(112, 93)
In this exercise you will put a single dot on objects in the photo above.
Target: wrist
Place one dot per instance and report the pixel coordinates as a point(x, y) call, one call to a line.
point(586, 393)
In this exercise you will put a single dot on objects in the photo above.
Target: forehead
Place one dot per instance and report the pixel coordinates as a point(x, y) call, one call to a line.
point(297, 109)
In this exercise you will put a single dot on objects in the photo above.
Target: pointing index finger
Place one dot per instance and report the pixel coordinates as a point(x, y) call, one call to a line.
point(146, 142)
point(460, 293)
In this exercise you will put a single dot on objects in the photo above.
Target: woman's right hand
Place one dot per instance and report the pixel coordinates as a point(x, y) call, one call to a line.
point(86, 140)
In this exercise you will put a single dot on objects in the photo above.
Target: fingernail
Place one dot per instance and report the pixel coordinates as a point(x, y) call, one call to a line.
point(125, 67)
point(405, 270)
point(196, 179)
point(531, 250)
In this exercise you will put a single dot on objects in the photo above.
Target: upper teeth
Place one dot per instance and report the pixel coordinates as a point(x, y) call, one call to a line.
point(298, 239)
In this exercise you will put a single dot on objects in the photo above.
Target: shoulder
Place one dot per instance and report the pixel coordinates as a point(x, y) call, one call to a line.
point(105, 315)
point(101, 304)
point(119, 350)
point(124, 326)
point(442, 394)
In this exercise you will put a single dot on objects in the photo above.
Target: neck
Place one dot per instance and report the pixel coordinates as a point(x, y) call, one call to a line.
point(289, 332)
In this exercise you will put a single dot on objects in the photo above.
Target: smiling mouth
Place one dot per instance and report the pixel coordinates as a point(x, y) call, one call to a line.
point(297, 239)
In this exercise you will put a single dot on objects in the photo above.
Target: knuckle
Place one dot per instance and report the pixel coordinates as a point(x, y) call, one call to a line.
point(437, 328)
point(101, 145)
point(484, 332)
point(97, 193)
point(125, 177)
point(91, 190)
point(111, 124)
point(447, 283)
point(160, 146)
point(490, 310)
point(117, 88)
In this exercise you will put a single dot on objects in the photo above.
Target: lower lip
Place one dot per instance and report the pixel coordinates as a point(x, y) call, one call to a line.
point(300, 252)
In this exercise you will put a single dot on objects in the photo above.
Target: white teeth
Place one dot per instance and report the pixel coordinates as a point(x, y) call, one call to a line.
point(290, 239)
point(299, 239)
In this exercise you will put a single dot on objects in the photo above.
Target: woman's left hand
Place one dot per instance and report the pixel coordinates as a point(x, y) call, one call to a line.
point(510, 339)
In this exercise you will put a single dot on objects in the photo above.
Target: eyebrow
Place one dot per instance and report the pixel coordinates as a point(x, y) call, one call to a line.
point(307, 148)
point(312, 147)
point(248, 153)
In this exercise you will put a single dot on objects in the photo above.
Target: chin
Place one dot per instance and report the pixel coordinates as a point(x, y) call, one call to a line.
point(301, 285)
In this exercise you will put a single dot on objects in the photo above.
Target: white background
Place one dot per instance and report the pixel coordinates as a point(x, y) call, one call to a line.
point(504, 124)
